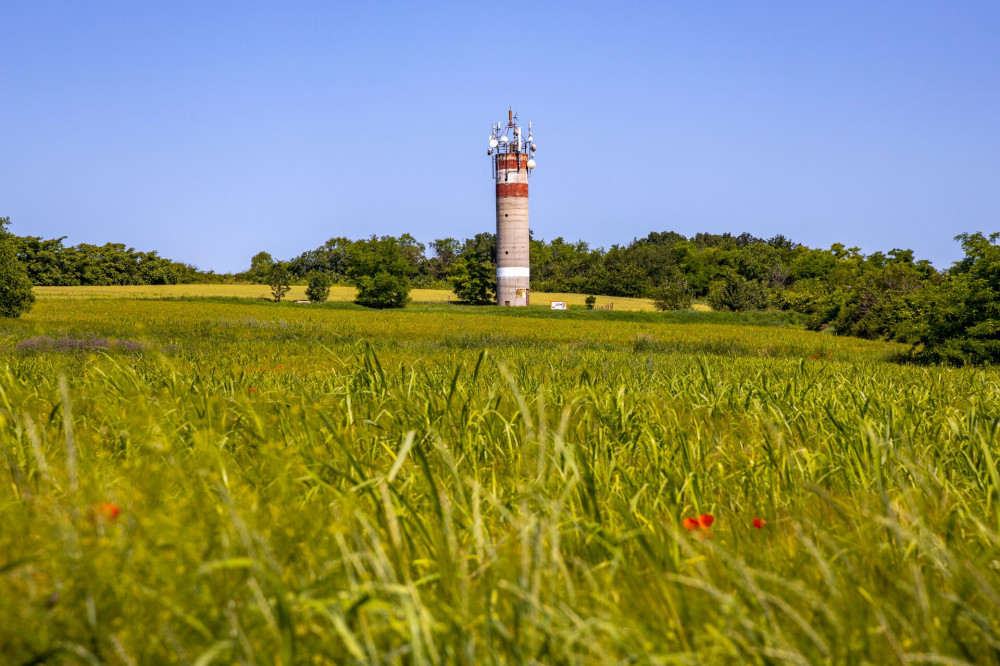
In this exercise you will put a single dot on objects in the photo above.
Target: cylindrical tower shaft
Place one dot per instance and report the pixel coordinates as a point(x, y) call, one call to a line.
point(512, 229)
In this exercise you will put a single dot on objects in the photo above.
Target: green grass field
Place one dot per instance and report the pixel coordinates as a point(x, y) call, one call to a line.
point(445, 484)
point(338, 293)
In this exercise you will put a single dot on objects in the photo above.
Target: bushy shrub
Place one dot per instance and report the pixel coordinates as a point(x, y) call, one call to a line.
point(380, 270)
point(590, 301)
point(673, 293)
point(736, 293)
point(382, 290)
point(880, 302)
point(16, 297)
point(318, 287)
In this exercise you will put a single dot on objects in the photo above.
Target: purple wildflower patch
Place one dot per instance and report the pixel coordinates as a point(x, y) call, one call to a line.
point(44, 343)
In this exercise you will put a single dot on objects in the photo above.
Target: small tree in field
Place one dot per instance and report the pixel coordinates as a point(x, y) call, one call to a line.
point(279, 277)
point(380, 270)
point(318, 289)
point(673, 293)
point(16, 297)
point(590, 301)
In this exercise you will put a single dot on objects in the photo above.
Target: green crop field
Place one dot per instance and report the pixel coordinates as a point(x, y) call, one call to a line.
point(197, 479)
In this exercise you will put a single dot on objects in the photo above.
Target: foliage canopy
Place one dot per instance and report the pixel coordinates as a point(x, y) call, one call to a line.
point(474, 277)
point(16, 296)
point(380, 268)
point(318, 287)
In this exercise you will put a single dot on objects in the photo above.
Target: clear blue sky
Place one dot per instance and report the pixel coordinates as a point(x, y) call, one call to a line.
point(209, 131)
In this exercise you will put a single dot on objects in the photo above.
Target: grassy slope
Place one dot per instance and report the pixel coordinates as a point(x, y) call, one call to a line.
point(389, 492)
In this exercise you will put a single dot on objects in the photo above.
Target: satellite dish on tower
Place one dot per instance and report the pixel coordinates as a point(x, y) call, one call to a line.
point(512, 150)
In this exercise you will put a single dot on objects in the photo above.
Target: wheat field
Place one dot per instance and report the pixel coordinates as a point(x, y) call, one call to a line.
point(195, 478)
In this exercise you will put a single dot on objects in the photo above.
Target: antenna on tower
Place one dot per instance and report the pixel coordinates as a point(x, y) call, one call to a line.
point(509, 139)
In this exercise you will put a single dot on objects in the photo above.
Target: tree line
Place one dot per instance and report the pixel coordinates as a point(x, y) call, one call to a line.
point(51, 263)
point(947, 315)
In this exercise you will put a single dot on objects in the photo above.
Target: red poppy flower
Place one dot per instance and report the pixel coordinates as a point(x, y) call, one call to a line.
point(690, 524)
point(251, 389)
point(103, 512)
point(759, 522)
point(705, 520)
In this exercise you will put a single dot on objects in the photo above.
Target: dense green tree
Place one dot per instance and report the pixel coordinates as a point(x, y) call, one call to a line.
point(880, 300)
point(329, 258)
point(561, 265)
point(318, 286)
point(380, 269)
point(809, 263)
point(736, 293)
point(621, 275)
point(474, 278)
point(16, 296)
point(260, 267)
point(446, 251)
point(48, 262)
point(673, 293)
point(961, 324)
point(483, 244)
point(813, 298)
point(413, 251)
point(761, 262)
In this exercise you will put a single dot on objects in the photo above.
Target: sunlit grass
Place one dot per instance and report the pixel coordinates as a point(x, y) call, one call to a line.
point(338, 293)
point(463, 485)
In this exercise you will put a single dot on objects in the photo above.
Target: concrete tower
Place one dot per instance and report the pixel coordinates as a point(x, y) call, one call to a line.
point(513, 160)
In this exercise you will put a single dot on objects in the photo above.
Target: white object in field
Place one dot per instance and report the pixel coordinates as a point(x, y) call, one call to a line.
point(558, 305)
